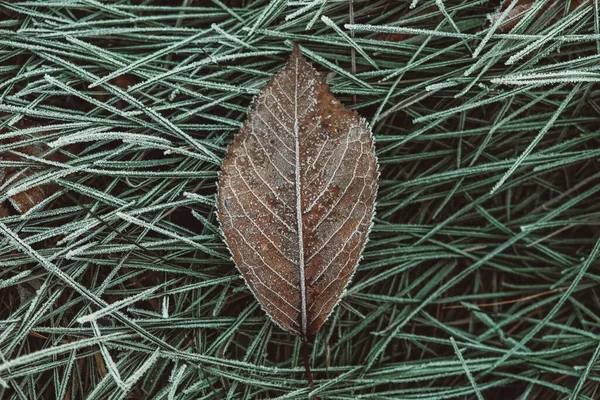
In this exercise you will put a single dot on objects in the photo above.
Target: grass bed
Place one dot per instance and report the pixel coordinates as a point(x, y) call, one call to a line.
point(480, 279)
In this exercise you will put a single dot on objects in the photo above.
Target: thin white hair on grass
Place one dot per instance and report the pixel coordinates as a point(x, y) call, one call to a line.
point(34, 302)
point(132, 66)
point(117, 305)
point(61, 392)
point(108, 361)
point(314, 56)
point(31, 358)
point(109, 278)
point(141, 312)
point(4, 283)
point(551, 35)
point(175, 381)
point(198, 64)
point(168, 233)
point(316, 16)
point(75, 252)
point(493, 28)
point(32, 181)
point(549, 78)
point(568, 160)
point(327, 21)
point(88, 225)
point(8, 330)
point(165, 307)
point(442, 7)
point(535, 82)
point(35, 209)
point(42, 113)
point(304, 9)
point(208, 200)
point(441, 85)
point(71, 91)
point(466, 368)
point(409, 31)
point(231, 37)
point(537, 139)
point(133, 378)
point(97, 135)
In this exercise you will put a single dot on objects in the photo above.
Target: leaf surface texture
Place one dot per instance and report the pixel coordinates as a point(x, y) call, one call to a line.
point(297, 196)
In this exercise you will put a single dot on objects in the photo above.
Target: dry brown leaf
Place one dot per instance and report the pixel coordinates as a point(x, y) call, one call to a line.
point(297, 195)
point(25, 200)
point(22, 201)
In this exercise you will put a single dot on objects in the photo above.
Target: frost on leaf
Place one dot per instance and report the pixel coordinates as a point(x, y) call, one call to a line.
point(297, 195)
